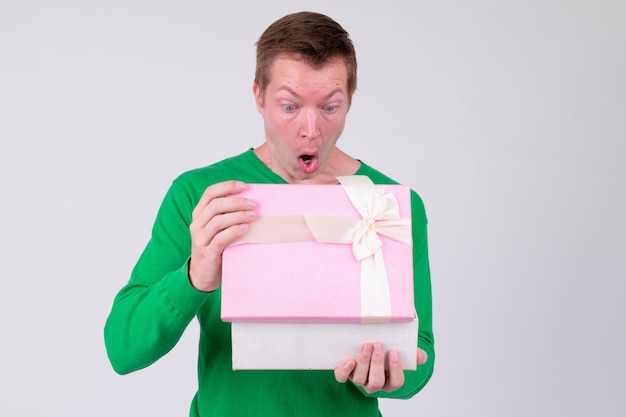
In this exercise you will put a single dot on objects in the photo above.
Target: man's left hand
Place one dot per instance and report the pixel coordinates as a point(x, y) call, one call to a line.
point(368, 370)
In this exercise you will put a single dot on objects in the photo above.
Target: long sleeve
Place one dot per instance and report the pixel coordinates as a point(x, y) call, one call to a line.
point(151, 312)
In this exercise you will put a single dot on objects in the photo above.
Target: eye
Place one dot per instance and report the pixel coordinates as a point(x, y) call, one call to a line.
point(289, 107)
point(330, 109)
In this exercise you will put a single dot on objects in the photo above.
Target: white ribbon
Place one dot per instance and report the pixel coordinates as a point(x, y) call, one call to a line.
point(379, 215)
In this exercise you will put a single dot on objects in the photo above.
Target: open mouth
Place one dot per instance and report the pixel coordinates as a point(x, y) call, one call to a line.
point(308, 163)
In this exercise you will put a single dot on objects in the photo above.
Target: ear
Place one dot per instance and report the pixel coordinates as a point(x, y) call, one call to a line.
point(258, 98)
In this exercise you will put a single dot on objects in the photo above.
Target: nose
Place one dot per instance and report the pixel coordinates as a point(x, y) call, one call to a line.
point(309, 124)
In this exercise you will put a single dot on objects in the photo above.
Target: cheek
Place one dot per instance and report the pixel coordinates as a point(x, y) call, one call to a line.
point(280, 125)
point(279, 130)
point(280, 118)
point(335, 124)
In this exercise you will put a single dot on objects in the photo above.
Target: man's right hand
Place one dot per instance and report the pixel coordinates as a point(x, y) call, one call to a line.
point(216, 222)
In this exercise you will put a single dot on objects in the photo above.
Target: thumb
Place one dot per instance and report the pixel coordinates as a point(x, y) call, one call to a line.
point(421, 356)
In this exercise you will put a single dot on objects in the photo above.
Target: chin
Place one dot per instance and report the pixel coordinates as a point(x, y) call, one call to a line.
point(302, 177)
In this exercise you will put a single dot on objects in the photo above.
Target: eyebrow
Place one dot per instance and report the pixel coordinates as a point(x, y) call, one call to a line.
point(293, 93)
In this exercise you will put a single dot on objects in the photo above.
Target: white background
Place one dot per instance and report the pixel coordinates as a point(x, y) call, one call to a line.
point(508, 117)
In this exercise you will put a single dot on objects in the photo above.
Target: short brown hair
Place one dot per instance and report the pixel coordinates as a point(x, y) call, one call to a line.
point(313, 37)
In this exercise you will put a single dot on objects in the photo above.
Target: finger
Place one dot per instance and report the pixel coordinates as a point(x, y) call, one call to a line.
point(376, 378)
point(395, 375)
point(230, 214)
point(220, 189)
point(342, 372)
point(202, 215)
point(228, 228)
point(421, 356)
point(362, 366)
point(220, 214)
point(204, 235)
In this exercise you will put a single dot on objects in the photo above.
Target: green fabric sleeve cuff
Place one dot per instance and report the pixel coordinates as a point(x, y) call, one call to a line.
point(180, 295)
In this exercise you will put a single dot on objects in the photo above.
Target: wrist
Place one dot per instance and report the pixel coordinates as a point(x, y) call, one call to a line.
point(197, 283)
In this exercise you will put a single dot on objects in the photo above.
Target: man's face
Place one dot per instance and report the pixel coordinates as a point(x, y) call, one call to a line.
point(304, 112)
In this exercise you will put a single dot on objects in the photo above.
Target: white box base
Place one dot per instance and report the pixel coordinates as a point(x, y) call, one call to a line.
point(316, 345)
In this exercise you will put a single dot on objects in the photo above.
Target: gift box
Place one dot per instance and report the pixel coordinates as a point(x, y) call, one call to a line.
point(322, 270)
point(302, 346)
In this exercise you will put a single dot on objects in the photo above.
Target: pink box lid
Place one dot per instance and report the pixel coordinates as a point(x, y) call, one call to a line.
point(310, 281)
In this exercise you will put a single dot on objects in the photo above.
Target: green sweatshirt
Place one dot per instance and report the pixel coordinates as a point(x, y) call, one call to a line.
point(152, 311)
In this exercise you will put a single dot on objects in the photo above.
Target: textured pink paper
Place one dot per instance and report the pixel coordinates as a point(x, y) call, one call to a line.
point(310, 281)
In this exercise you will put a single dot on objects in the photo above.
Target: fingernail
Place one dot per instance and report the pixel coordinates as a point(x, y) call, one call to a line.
point(243, 226)
point(366, 349)
point(240, 185)
point(347, 365)
point(251, 213)
point(393, 355)
point(378, 347)
point(251, 203)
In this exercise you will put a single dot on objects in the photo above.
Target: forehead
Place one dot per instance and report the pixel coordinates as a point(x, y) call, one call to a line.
point(296, 73)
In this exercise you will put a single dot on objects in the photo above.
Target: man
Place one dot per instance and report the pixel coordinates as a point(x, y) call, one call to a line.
point(305, 78)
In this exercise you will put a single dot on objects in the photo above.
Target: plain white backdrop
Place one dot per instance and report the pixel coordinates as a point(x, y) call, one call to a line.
point(509, 118)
